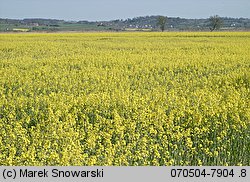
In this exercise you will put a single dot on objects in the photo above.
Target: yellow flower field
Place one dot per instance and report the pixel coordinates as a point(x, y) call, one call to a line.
point(125, 99)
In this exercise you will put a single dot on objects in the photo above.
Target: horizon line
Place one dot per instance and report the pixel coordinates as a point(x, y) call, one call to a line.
point(123, 19)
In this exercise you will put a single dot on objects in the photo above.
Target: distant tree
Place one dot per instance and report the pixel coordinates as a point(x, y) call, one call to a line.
point(161, 22)
point(215, 22)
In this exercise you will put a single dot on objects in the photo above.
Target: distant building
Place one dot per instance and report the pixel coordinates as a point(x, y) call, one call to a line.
point(101, 25)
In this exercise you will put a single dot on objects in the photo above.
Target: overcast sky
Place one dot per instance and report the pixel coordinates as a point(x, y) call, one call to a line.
point(121, 9)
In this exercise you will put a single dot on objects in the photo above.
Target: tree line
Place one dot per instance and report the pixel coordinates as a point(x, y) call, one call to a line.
point(215, 22)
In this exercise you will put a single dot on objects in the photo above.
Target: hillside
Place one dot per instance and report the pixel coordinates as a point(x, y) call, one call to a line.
point(135, 24)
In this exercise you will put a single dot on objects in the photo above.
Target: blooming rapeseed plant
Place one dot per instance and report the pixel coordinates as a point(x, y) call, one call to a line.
point(125, 99)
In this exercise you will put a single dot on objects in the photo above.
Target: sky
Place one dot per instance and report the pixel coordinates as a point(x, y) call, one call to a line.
point(101, 10)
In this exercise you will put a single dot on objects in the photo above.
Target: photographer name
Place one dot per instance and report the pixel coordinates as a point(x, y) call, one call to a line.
point(56, 173)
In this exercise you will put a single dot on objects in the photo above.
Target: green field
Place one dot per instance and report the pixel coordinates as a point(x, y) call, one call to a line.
point(50, 28)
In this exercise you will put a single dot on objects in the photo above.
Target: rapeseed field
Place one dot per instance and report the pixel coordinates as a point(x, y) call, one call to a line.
point(130, 99)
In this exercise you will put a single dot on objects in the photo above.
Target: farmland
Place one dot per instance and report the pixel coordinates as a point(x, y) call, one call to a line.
point(125, 99)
